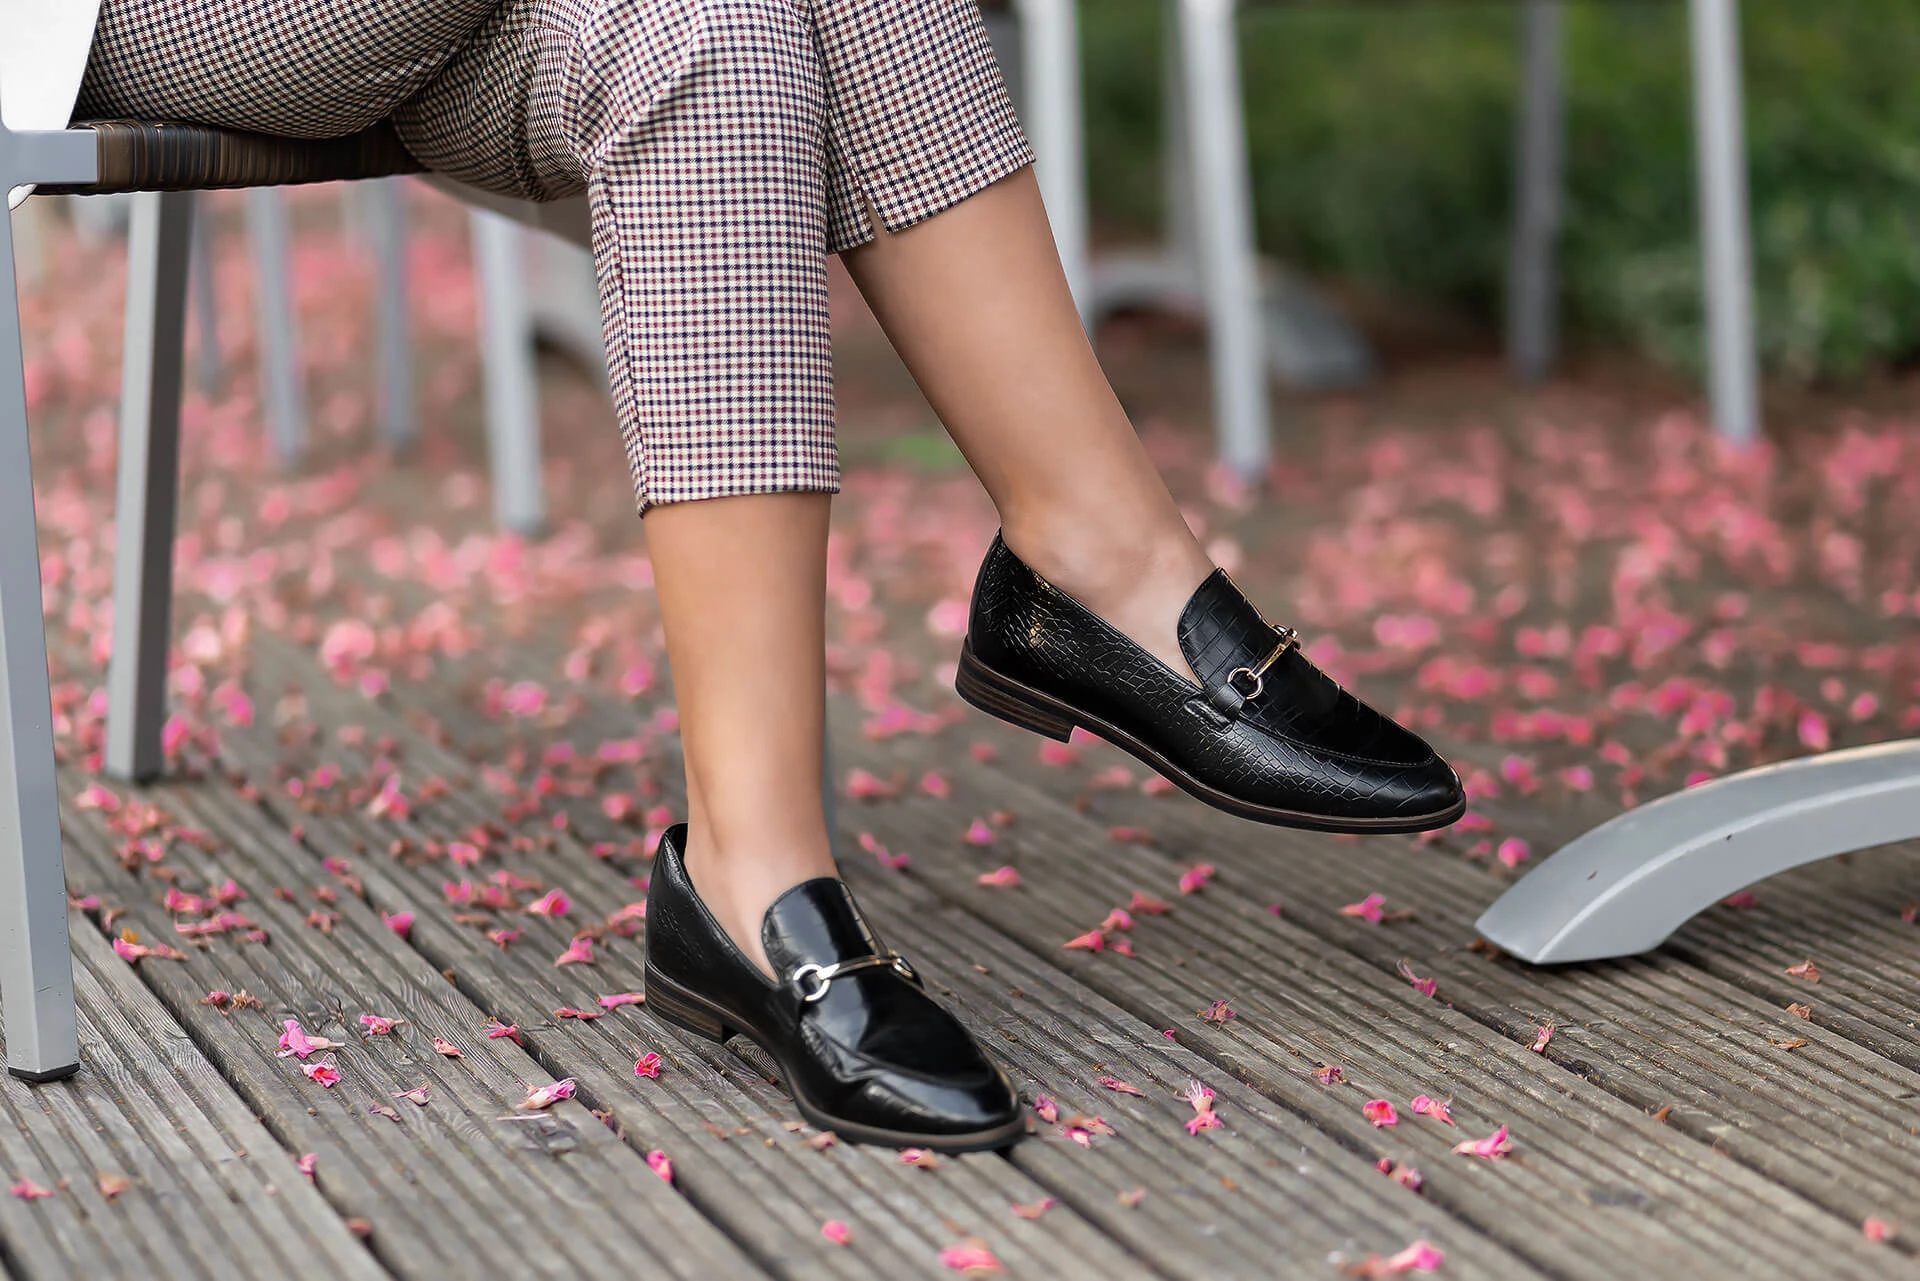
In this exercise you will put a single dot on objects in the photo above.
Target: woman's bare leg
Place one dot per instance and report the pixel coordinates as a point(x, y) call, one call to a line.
point(976, 303)
point(742, 586)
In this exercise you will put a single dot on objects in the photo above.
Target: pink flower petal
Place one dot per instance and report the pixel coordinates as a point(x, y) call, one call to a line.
point(1380, 1112)
point(978, 833)
point(1875, 1228)
point(1121, 1087)
point(1091, 941)
point(447, 1048)
point(661, 1164)
point(378, 1026)
point(619, 999)
point(1003, 877)
point(974, 1260)
point(554, 903)
point(1418, 1257)
point(836, 1231)
point(1367, 909)
point(323, 1073)
point(1491, 1148)
point(579, 952)
point(400, 923)
point(648, 1066)
point(1426, 987)
point(548, 1095)
point(863, 786)
point(294, 1041)
point(306, 1163)
point(1195, 879)
point(27, 1190)
point(1424, 1105)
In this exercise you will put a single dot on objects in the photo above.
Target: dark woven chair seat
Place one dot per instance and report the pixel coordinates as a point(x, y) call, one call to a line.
point(144, 156)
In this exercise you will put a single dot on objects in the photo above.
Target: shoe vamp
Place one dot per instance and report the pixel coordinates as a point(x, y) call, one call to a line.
point(882, 1021)
point(1302, 704)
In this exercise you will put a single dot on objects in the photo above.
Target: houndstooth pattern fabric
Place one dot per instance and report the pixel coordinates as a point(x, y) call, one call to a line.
point(726, 148)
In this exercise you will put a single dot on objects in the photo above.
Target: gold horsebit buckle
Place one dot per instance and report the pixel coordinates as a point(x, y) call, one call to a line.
point(1256, 676)
point(821, 976)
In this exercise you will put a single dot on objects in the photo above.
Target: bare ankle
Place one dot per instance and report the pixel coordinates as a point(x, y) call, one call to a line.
point(739, 883)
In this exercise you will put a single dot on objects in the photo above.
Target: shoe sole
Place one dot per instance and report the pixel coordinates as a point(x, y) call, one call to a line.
point(1030, 709)
point(690, 1013)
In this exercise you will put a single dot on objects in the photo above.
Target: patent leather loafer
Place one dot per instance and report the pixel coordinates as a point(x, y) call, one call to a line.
point(862, 1047)
point(1265, 734)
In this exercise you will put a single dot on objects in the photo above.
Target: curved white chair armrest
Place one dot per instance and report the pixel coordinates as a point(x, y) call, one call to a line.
point(1629, 883)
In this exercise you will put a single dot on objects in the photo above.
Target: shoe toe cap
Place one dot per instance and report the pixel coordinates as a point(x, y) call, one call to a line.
point(957, 1106)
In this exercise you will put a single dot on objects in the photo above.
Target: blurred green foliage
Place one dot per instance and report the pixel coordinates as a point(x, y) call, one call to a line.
point(1382, 138)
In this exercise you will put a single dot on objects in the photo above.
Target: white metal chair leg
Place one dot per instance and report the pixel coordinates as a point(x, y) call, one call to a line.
point(1054, 119)
point(149, 465)
point(29, 241)
point(1629, 883)
point(209, 368)
point(506, 344)
point(36, 968)
point(1724, 221)
point(1217, 144)
point(564, 298)
point(386, 209)
point(276, 335)
point(1532, 334)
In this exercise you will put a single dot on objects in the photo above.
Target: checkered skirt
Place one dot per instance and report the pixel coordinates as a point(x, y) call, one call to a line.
point(726, 148)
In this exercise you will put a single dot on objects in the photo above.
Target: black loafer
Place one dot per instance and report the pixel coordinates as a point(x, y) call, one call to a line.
point(863, 1049)
point(1266, 735)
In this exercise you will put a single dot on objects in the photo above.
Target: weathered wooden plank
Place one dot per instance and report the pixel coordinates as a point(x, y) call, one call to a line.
point(1267, 1192)
point(763, 1185)
point(450, 1186)
point(1828, 1119)
point(1603, 1186)
point(1224, 1213)
point(210, 1193)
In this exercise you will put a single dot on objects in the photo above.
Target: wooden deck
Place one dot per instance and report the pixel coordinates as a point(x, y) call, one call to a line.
point(1680, 1122)
point(1698, 1112)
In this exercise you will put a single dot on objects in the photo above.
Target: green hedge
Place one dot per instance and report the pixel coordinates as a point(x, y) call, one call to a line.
point(1382, 138)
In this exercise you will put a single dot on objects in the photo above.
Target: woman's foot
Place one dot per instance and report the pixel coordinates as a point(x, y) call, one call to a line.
point(863, 1049)
point(1265, 734)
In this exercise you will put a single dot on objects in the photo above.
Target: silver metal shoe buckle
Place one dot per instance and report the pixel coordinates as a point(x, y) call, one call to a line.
point(822, 976)
point(1257, 676)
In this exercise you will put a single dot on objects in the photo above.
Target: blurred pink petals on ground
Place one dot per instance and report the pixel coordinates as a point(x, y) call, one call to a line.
point(1001, 878)
point(661, 1164)
point(1380, 1112)
point(1491, 1148)
point(1426, 1105)
point(579, 952)
point(836, 1231)
point(1196, 878)
point(974, 1260)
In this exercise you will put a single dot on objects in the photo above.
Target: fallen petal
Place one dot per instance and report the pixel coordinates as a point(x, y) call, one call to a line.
point(548, 1095)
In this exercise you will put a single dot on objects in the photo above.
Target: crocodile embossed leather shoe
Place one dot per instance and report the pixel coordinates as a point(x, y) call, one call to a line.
point(1265, 734)
point(863, 1049)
